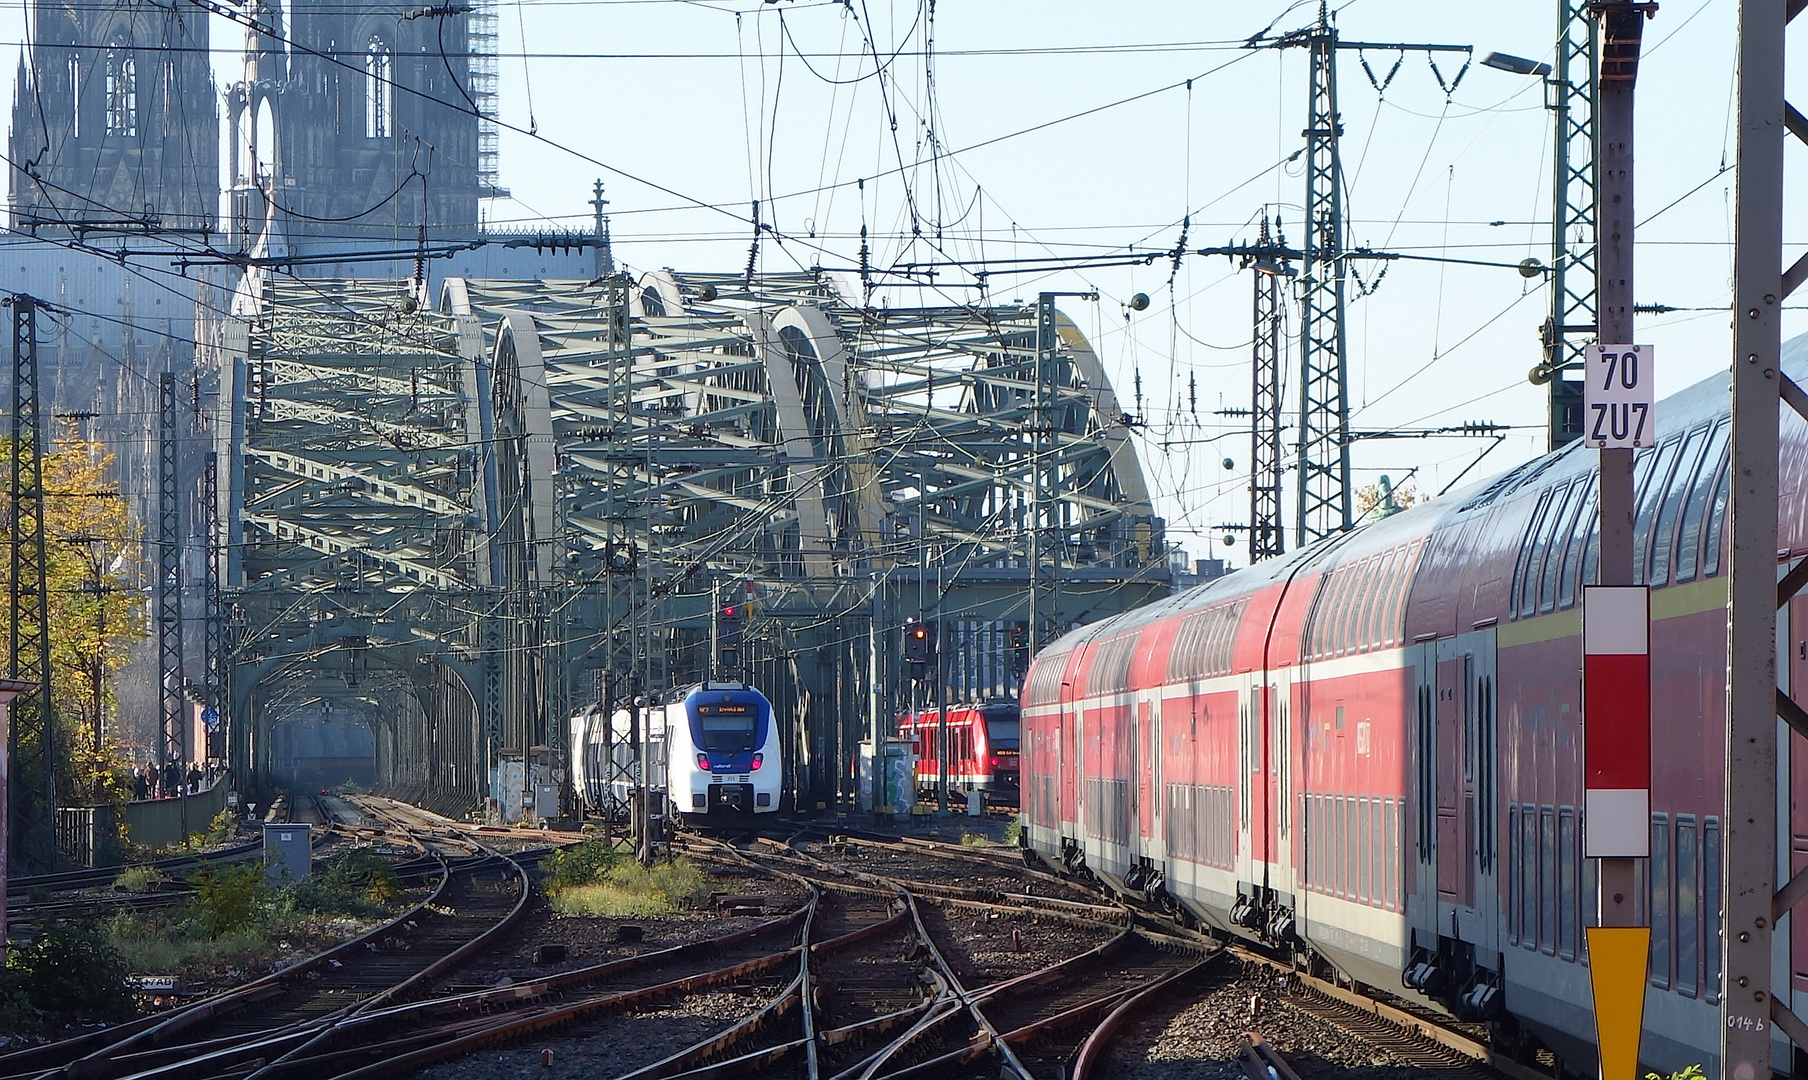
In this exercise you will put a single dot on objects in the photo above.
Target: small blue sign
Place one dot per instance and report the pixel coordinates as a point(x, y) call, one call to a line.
point(211, 718)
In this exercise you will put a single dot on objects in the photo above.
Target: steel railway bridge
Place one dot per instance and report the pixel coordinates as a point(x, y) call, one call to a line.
point(456, 520)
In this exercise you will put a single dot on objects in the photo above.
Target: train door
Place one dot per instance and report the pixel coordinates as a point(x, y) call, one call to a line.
point(1146, 780)
point(1422, 835)
point(1455, 775)
point(1250, 824)
point(1067, 760)
point(1280, 778)
point(1484, 807)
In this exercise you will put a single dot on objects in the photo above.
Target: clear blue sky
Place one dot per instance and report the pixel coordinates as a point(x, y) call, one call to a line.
point(1068, 128)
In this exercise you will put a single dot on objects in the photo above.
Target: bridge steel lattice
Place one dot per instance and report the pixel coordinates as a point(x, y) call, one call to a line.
point(462, 524)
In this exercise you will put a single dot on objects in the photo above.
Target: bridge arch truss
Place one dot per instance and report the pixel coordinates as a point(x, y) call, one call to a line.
point(527, 495)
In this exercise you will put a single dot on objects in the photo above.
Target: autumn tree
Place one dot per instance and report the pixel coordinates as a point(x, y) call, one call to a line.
point(1382, 499)
point(92, 545)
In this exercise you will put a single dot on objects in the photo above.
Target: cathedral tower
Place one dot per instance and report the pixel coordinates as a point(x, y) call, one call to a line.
point(114, 126)
point(370, 141)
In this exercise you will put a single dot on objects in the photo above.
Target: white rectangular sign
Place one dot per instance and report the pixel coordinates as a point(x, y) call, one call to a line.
point(1619, 399)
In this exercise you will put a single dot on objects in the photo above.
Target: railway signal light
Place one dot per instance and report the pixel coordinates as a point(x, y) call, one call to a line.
point(1020, 646)
point(919, 642)
point(728, 635)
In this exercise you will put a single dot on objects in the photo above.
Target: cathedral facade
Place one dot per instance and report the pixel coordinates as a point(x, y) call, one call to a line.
point(115, 128)
point(355, 129)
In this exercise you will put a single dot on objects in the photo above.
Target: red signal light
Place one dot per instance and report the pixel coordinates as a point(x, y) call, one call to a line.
point(703, 762)
point(758, 760)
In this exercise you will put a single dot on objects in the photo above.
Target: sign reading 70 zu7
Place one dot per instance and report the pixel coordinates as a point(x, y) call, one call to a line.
point(1619, 398)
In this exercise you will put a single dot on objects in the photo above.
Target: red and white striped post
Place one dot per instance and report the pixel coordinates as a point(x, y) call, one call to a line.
point(1616, 733)
point(1616, 819)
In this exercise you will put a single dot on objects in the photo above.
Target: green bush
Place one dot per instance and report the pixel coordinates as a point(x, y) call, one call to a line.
point(630, 889)
point(357, 883)
point(223, 827)
point(72, 969)
point(228, 898)
point(1013, 831)
point(141, 879)
point(581, 864)
point(18, 1016)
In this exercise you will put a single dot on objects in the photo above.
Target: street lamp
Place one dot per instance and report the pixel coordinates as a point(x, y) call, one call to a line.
point(1516, 65)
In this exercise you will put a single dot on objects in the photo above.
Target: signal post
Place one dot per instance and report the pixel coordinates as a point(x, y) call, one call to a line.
point(1616, 715)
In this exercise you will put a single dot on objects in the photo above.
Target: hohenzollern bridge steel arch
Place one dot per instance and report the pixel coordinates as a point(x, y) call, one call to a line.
point(458, 519)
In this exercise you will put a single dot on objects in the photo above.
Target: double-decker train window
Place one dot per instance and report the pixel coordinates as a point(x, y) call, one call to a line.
point(1710, 544)
point(1524, 577)
point(1694, 514)
point(1551, 542)
point(1205, 644)
point(1576, 535)
point(1371, 893)
point(1567, 900)
point(1513, 875)
point(1396, 626)
point(1675, 494)
point(1337, 600)
point(1348, 603)
point(1651, 494)
point(1591, 548)
point(1390, 845)
point(1547, 879)
point(1688, 943)
point(1377, 599)
point(1710, 907)
point(1659, 865)
point(1528, 876)
point(1314, 838)
point(1318, 633)
point(1110, 671)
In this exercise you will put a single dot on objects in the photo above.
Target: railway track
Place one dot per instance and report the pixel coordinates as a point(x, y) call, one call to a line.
point(906, 959)
point(34, 900)
point(476, 896)
point(887, 1000)
point(1406, 1039)
point(1259, 1061)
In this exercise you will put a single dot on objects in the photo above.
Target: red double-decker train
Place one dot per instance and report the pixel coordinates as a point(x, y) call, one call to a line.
point(982, 749)
point(1368, 751)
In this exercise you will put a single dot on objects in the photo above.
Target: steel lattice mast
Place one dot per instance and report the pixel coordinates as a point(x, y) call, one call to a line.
point(213, 640)
point(1323, 451)
point(1267, 529)
point(32, 785)
point(173, 744)
point(1323, 497)
point(1570, 325)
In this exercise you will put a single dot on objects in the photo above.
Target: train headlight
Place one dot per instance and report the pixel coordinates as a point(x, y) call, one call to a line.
point(758, 760)
point(995, 762)
point(703, 762)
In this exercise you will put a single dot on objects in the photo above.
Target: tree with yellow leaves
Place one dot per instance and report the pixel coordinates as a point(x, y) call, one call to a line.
point(1382, 499)
point(97, 614)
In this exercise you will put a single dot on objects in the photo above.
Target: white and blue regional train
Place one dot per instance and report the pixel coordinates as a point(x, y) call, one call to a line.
point(712, 752)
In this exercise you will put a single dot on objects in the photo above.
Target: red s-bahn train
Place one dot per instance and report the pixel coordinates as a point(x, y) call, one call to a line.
point(1369, 750)
point(982, 748)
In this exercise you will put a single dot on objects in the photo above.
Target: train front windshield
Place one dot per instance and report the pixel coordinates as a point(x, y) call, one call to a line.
point(727, 734)
point(1002, 733)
